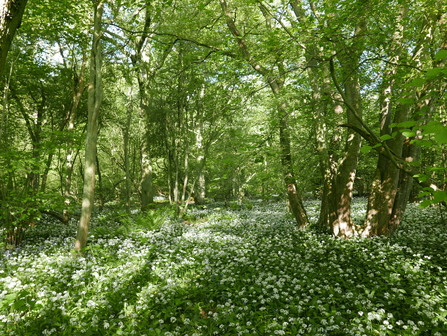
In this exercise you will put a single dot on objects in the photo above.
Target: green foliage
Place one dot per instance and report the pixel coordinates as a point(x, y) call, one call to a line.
point(115, 221)
point(151, 219)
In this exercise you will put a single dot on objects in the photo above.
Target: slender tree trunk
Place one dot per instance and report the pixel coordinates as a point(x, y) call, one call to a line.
point(100, 189)
point(126, 152)
point(319, 78)
point(6, 175)
point(94, 103)
point(186, 176)
point(11, 12)
point(147, 190)
point(293, 194)
point(199, 195)
point(78, 90)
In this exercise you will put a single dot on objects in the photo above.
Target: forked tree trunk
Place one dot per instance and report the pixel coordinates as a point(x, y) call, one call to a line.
point(94, 103)
point(275, 83)
point(338, 177)
point(391, 187)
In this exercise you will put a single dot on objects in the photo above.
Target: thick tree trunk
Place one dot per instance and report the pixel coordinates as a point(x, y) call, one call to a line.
point(94, 103)
point(338, 178)
point(391, 188)
point(319, 77)
point(344, 180)
point(11, 12)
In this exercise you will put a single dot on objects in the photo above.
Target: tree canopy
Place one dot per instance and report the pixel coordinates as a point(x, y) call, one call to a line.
point(131, 101)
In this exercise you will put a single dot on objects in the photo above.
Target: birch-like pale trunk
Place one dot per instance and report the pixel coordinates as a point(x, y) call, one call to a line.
point(95, 95)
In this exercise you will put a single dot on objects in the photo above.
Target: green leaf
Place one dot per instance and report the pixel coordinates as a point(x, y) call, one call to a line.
point(425, 203)
point(432, 127)
point(433, 72)
point(406, 101)
point(441, 138)
point(439, 196)
point(365, 149)
point(408, 133)
point(441, 54)
point(386, 137)
point(436, 168)
point(422, 143)
point(417, 82)
point(421, 177)
point(424, 193)
point(406, 124)
point(7, 300)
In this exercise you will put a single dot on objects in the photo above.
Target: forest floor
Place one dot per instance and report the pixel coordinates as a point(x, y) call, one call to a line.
point(245, 270)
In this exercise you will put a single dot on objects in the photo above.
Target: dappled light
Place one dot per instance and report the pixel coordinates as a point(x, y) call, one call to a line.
point(228, 167)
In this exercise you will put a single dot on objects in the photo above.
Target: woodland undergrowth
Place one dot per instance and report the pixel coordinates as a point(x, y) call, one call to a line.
point(243, 270)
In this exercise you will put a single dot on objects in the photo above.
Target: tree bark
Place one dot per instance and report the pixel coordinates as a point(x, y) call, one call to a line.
point(275, 84)
point(95, 95)
point(338, 177)
point(392, 184)
point(147, 190)
point(11, 13)
point(344, 180)
point(126, 140)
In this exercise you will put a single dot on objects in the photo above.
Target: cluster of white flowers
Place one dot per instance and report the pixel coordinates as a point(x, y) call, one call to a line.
point(253, 266)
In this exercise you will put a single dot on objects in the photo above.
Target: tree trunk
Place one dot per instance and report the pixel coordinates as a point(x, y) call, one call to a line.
point(199, 194)
point(391, 187)
point(344, 180)
point(147, 190)
point(78, 90)
point(293, 194)
point(11, 12)
point(275, 84)
point(338, 178)
point(126, 152)
point(94, 103)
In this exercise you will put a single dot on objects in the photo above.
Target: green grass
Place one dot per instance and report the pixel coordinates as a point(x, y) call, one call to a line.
point(244, 271)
